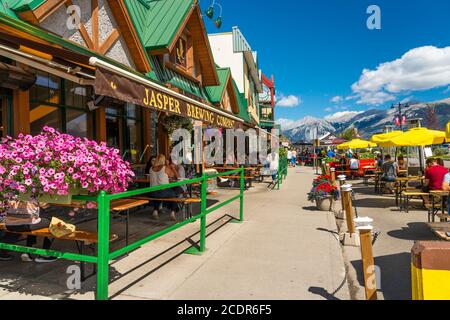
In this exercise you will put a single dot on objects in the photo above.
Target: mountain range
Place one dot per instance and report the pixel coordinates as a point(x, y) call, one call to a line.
point(369, 122)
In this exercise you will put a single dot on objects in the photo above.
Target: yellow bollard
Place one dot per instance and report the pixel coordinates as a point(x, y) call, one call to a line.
point(351, 238)
point(430, 270)
point(364, 226)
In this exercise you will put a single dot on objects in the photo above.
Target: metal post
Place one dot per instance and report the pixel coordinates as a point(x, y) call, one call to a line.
point(242, 194)
point(203, 218)
point(103, 247)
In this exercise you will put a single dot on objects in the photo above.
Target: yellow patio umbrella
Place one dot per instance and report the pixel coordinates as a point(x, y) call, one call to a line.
point(356, 144)
point(418, 137)
point(383, 140)
point(448, 131)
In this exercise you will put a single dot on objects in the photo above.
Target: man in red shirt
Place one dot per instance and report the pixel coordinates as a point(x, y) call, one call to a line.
point(434, 176)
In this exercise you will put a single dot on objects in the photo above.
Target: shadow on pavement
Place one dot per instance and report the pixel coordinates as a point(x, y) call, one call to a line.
point(415, 231)
point(394, 280)
point(323, 293)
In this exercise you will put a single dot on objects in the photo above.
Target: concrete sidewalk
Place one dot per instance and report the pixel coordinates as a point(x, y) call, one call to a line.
point(283, 250)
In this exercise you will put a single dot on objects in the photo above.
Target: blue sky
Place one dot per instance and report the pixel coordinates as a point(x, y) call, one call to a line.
point(318, 49)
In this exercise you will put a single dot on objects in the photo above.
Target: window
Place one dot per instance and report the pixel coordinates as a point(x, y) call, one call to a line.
point(125, 130)
point(60, 104)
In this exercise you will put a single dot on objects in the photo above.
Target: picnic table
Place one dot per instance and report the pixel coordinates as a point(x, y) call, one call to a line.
point(249, 174)
point(441, 196)
point(401, 185)
point(442, 230)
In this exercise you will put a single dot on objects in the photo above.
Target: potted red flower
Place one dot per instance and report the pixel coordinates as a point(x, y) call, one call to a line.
point(323, 193)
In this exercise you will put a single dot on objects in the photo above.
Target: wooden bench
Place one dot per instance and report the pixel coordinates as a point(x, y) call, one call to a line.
point(185, 202)
point(123, 206)
point(367, 177)
point(407, 195)
point(81, 239)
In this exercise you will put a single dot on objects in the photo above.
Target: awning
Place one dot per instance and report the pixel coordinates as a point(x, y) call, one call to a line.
point(13, 77)
point(120, 84)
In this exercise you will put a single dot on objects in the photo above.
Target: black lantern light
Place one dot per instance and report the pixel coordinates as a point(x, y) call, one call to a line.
point(210, 14)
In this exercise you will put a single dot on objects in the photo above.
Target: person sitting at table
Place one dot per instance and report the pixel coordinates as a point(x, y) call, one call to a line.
point(354, 165)
point(379, 161)
point(25, 217)
point(150, 163)
point(390, 172)
point(434, 177)
point(446, 187)
point(161, 174)
point(402, 165)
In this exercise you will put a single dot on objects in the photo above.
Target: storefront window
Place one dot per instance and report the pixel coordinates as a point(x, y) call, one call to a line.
point(61, 104)
point(43, 115)
point(78, 123)
point(124, 130)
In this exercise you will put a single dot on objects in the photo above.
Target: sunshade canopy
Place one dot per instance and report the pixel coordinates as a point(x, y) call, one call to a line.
point(356, 144)
point(448, 131)
point(418, 137)
point(383, 140)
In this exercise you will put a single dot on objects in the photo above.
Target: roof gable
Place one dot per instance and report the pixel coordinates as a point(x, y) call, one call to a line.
point(216, 93)
point(106, 27)
point(160, 23)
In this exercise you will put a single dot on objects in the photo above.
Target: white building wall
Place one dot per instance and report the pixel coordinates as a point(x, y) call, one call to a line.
point(225, 57)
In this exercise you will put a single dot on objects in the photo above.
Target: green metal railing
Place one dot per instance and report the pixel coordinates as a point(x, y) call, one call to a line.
point(282, 171)
point(104, 256)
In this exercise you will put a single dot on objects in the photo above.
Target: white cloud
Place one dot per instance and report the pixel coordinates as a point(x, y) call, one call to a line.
point(342, 116)
point(329, 109)
point(337, 99)
point(419, 69)
point(290, 101)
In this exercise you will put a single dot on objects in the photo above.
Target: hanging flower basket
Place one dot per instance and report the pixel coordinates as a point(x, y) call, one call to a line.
point(52, 167)
point(174, 122)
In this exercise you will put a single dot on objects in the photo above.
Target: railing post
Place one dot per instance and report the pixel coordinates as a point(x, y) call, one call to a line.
point(103, 247)
point(242, 194)
point(203, 212)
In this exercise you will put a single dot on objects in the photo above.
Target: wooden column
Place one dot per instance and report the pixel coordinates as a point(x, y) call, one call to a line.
point(147, 134)
point(341, 183)
point(21, 112)
point(347, 195)
point(368, 262)
point(100, 124)
point(333, 176)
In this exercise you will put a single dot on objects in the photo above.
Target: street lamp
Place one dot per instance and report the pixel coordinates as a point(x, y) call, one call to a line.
point(210, 14)
point(400, 117)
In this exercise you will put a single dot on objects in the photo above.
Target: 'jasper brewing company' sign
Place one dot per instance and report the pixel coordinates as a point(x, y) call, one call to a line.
point(115, 86)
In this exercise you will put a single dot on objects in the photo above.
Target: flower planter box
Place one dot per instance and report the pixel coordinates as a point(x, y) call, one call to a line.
point(325, 204)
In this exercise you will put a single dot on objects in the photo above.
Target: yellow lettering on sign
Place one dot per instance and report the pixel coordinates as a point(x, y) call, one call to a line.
point(153, 100)
point(166, 102)
point(146, 100)
point(159, 101)
point(177, 107)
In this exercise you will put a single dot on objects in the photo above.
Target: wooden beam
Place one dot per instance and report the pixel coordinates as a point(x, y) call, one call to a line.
point(21, 112)
point(130, 36)
point(109, 42)
point(42, 12)
point(100, 124)
point(94, 16)
point(83, 32)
